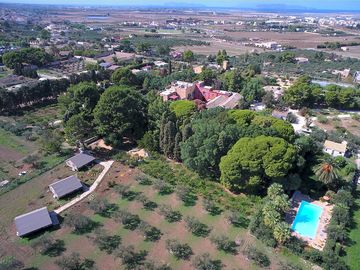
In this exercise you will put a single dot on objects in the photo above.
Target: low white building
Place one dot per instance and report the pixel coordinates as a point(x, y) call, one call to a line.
point(335, 149)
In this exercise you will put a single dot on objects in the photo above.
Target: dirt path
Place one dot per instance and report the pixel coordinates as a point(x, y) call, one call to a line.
point(107, 166)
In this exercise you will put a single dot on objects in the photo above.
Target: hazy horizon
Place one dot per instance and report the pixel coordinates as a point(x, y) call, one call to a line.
point(295, 4)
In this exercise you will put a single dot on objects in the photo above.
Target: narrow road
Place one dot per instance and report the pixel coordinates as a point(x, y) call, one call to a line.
point(107, 166)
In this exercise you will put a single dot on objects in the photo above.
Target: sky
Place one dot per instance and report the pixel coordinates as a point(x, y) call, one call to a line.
point(311, 4)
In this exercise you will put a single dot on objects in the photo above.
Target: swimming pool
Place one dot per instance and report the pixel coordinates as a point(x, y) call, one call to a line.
point(307, 219)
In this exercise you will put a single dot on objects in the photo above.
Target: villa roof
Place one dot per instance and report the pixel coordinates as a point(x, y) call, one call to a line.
point(340, 147)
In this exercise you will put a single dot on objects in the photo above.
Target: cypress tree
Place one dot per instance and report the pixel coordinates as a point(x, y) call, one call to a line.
point(177, 150)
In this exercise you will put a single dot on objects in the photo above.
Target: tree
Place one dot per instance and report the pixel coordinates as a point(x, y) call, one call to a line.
point(120, 113)
point(188, 56)
point(51, 141)
point(282, 232)
point(74, 262)
point(124, 76)
point(258, 257)
point(170, 214)
point(207, 76)
point(102, 207)
point(269, 100)
point(224, 243)
point(266, 158)
point(107, 243)
point(183, 108)
point(81, 224)
point(177, 150)
point(10, 263)
point(78, 128)
point(131, 258)
point(327, 172)
point(204, 262)
point(45, 34)
point(47, 245)
point(232, 80)
point(180, 251)
point(196, 227)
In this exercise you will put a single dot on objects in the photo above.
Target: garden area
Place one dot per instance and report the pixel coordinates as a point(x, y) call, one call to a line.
point(138, 221)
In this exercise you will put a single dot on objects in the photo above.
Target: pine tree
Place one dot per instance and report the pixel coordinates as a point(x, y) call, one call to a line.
point(177, 150)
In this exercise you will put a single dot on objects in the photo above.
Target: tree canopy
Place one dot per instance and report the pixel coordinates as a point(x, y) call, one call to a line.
point(120, 112)
point(253, 162)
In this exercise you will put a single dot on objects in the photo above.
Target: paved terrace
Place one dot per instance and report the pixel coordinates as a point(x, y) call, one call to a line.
point(107, 166)
point(320, 239)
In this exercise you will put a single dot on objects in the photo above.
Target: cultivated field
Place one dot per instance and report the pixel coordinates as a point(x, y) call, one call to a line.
point(156, 250)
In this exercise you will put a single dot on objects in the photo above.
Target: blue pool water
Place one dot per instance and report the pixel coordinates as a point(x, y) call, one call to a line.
point(307, 219)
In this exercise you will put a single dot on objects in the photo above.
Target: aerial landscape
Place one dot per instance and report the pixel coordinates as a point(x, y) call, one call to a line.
point(179, 135)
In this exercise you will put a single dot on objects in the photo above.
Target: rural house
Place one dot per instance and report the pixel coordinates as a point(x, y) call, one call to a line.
point(80, 160)
point(335, 149)
point(65, 186)
point(34, 221)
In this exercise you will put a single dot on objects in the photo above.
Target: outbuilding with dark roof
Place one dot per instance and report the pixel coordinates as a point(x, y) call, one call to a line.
point(65, 186)
point(33, 221)
point(80, 160)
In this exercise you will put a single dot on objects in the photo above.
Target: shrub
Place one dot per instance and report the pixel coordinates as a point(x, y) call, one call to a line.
point(47, 245)
point(102, 207)
point(107, 243)
point(289, 266)
point(224, 243)
point(322, 119)
point(144, 180)
point(126, 193)
point(196, 227)
point(81, 224)
point(291, 118)
point(180, 251)
point(238, 220)
point(130, 221)
point(186, 195)
point(10, 262)
point(204, 262)
point(211, 207)
point(163, 187)
point(257, 256)
point(74, 262)
point(151, 233)
point(130, 258)
point(169, 214)
point(148, 205)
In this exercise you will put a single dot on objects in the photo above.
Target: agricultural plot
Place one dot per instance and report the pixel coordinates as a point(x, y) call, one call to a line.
point(154, 221)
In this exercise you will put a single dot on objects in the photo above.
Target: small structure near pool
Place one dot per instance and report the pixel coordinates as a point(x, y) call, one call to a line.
point(34, 221)
point(65, 186)
point(79, 161)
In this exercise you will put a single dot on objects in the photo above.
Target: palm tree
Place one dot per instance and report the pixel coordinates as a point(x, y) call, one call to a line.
point(327, 172)
point(282, 232)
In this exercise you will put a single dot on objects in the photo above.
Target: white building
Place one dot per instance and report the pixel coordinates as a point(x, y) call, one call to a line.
point(335, 149)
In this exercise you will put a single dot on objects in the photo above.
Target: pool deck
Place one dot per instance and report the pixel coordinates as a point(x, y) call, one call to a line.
point(320, 238)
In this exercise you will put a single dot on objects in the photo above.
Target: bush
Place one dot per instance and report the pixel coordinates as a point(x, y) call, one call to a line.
point(74, 262)
point(148, 205)
point(204, 262)
point(289, 266)
point(322, 119)
point(211, 207)
point(130, 221)
point(151, 233)
point(196, 227)
point(180, 251)
point(126, 193)
point(47, 245)
point(10, 263)
point(107, 243)
point(163, 187)
point(130, 258)
point(186, 195)
point(144, 180)
point(81, 224)
point(257, 256)
point(169, 214)
point(224, 243)
point(102, 207)
point(238, 220)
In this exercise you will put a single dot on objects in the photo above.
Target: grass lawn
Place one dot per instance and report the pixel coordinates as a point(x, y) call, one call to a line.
point(10, 141)
point(353, 252)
